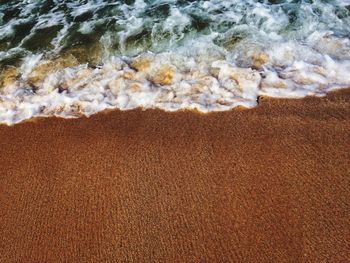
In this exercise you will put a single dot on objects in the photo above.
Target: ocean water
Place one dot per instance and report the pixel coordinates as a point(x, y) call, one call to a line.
point(71, 58)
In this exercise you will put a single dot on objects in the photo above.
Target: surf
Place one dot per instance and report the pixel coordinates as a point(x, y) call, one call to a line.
point(74, 58)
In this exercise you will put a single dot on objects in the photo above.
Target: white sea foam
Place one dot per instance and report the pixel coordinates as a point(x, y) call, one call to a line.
point(203, 55)
point(172, 81)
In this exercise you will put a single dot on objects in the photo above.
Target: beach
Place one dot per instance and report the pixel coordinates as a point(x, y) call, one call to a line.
point(174, 131)
point(268, 184)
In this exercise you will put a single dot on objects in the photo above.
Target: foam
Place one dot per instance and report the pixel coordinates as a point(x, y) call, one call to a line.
point(169, 81)
point(172, 55)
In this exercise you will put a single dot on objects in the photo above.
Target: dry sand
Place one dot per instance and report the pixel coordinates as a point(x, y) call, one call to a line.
point(271, 184)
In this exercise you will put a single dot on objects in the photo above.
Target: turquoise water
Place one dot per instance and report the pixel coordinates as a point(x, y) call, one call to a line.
point(249, 48)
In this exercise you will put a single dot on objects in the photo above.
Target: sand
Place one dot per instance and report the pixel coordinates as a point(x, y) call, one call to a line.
point(271, 184)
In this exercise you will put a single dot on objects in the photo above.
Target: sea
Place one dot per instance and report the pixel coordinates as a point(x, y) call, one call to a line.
point(72, 58)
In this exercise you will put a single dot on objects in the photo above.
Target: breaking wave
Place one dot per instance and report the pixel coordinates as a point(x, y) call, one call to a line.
point(78, 57)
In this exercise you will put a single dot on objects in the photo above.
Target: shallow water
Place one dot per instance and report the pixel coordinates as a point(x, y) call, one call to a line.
point(78, 57)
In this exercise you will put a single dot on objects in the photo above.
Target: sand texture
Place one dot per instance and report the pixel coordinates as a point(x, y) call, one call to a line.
point(270, 184)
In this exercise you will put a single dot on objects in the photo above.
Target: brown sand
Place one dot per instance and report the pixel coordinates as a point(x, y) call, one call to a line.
point(270, 184)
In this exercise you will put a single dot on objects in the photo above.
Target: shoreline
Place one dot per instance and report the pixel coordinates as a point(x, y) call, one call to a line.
point(195, 111)
point(267, 184)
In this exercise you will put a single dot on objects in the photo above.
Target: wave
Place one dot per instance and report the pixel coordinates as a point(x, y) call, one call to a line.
point(73, 58)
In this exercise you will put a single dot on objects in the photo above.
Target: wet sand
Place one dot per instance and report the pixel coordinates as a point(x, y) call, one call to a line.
point(271, 184)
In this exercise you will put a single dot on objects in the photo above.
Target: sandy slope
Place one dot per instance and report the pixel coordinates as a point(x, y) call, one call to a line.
point(271, 184)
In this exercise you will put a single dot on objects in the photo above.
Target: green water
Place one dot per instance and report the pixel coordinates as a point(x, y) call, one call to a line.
point(131, 27)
